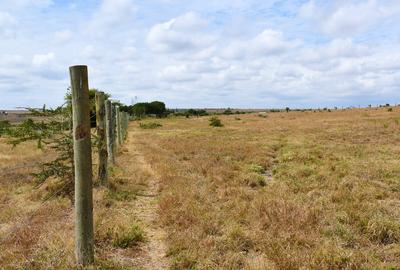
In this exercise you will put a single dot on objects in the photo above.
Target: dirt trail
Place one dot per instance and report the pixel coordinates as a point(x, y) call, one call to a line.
point(146, 204)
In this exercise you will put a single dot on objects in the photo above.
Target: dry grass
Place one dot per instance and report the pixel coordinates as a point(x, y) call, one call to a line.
point(288, 191)
point(38, 234)
point(324, 194)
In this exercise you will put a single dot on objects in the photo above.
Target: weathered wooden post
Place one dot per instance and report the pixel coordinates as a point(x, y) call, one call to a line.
point(123, 125)
point(126, 124)
point(110, 132)
point(115, 135)
point(118, 128)
point(101, 134)
point(83, 166)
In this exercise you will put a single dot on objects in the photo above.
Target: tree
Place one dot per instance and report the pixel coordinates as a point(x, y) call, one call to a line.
point(144, 108)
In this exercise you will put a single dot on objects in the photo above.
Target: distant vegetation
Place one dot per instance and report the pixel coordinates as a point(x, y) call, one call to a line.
point(155, 108)
point(4, 127)
point(150, 125)
point(215, 122)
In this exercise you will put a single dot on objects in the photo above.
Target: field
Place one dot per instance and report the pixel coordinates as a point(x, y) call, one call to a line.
point(13, 116)
point(297, 190)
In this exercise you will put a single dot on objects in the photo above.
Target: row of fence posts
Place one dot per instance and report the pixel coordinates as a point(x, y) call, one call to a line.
point(112, 125)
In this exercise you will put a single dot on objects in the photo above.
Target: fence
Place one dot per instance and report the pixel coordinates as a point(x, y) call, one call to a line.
point(111, 129)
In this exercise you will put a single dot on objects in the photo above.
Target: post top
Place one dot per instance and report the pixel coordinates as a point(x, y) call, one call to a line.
point(78, 66)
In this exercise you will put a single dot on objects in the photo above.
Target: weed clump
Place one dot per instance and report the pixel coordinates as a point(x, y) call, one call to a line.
point(125, 238)
point(150, 125)
point(215, 122)
point(256, 168)
point(120, 195)
point(183, 260)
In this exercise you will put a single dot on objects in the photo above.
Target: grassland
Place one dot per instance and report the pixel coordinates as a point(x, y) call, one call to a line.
point(291, 191)
point(298, 190)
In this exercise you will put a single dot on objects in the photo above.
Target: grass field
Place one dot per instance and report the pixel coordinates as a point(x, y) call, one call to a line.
point(298, 190)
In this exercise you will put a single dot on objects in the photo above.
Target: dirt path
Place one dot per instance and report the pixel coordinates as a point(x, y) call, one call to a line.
point(154, 249)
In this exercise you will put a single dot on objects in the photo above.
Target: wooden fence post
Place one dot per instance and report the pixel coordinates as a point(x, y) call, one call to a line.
point(110, 132)
point(123, 125)
point(126, 124)
point(101, 134)
point(118, 128)
point(83, 166)
point(115, 135)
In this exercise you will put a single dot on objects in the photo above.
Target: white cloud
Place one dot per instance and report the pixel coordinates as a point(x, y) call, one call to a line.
point(40, 60)
point(267, 43)
point(180, 34)
point(111, 14)
point(347, 18)
point(178, 73)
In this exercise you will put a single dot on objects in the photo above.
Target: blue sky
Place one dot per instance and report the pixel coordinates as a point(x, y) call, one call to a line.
point(225, 53)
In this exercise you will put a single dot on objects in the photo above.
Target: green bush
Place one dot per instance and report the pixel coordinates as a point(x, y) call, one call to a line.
point(4, 127)
point(215, 122)
point(125, 238)
point(150, 125)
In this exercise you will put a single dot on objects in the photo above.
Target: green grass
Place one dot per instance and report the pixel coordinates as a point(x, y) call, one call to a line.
point(128, 237)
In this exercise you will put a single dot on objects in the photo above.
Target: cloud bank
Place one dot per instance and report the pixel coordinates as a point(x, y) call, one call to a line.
point(250, 54)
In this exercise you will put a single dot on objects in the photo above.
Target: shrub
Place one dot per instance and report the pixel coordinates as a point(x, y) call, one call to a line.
point(228, 112)
point(390, 110)
point(150, 125)
point(4, 127)
point(215, 122)
point(125, 238)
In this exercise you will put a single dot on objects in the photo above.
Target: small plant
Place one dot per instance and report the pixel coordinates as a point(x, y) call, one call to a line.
point(122, 195)
point(256, 168)
point(215, 122)
point(150, 125)
point(125, 238)
point(390, 110)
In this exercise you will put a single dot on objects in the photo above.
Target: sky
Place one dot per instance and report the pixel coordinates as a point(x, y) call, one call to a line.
point(213, 53)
